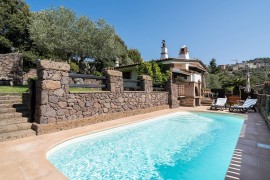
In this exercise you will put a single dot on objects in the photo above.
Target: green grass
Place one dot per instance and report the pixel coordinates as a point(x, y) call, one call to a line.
point(77, 90)
point(21, 89)
point(13, 89)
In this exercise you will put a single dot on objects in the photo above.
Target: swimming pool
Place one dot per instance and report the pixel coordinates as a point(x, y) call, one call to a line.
point(181, 145)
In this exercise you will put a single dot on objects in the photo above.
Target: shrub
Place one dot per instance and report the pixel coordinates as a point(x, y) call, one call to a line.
point(74, 67)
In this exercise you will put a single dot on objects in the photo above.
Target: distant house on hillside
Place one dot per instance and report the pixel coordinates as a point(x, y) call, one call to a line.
point(188, 74)
point(223, 66)
point(252, 64)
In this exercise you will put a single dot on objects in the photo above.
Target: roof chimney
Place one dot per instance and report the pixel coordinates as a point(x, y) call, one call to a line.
point(164, 51)
point(184, 52)
point(116, 63)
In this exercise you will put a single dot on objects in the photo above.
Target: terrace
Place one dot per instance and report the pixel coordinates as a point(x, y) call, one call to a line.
point(26, 158)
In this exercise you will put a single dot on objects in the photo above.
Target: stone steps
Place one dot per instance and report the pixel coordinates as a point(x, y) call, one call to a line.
point(13, 101)
point(5, 122)
point(17, 134)
point(10, 94)
point(15, 127)
point(14, 122)
point(10, 97)
point(11, 105)
point(13, 115)
point(10, 109)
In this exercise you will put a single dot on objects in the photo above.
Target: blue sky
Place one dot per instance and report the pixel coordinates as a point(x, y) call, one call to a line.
point(224, 29)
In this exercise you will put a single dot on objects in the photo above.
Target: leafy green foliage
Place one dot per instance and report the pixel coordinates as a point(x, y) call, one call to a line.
point(29, 60)
point(212, 81)
point(74, 67)
point(257, 76)
point(231, 80)
point(97, 73)
point(135, 55)
point(62, 35)
point(234, 82)
point(154, 70)
point(14, 19)
point(213, 68)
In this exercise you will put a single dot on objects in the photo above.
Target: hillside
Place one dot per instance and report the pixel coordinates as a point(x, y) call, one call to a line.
point(264, 59)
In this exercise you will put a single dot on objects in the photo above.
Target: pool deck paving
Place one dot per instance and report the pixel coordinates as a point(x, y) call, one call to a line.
point(26, 158)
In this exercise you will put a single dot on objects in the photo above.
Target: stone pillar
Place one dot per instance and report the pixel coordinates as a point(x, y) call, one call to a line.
point(203, 80)
point(171, 87)
point(114, 81)
point(266, 89)
point(147, 83)
point(52, 86)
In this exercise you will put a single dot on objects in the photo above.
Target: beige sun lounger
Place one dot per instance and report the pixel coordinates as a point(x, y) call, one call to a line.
point(220, 104)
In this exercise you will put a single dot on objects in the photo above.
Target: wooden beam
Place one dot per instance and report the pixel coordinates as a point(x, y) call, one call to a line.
point(88, 85)
point(86, 76)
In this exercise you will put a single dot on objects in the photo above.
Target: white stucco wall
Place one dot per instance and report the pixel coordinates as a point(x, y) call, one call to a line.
point(195, 77)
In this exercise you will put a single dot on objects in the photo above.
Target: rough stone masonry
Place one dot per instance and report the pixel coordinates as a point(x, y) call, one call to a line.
point(58, 108)
point(11, 69)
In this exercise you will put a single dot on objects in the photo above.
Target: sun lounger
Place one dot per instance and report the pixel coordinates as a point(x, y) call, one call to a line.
point(248, 104)
point(220, 104)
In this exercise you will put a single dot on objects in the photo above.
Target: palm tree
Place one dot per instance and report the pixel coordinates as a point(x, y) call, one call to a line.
point(235, 83)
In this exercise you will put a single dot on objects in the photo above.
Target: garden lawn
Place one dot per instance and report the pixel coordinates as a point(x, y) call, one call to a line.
point(22, 89)
point(13, 89)
point(78, 90)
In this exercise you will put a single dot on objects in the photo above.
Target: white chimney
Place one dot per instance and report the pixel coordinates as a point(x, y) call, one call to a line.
point(164, 51)
point(116, 63)
point(184, 52)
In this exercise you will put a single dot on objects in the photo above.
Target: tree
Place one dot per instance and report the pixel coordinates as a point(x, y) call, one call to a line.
point(212, 81)
point(123, 58)
point(135, 56)
point(154, 71)
point(234, 83)
point(145, 68)
point(213, 68)
point(65, 36)
point(53, 32)
point(14, 15)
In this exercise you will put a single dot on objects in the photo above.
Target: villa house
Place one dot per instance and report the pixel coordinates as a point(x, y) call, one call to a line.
point(188, 75)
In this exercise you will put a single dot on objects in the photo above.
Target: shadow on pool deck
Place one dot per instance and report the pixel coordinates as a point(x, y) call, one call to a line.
point(251, 159)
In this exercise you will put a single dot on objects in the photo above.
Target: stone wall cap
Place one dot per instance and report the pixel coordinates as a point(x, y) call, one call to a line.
point(113, 73)
point(145, 77)
point(47, 64)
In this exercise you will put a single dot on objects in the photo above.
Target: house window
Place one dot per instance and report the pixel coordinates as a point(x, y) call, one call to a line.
point(127, 75)
point(181, 90)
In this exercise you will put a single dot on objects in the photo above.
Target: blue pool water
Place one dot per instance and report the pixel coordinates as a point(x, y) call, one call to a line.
point(181, 145)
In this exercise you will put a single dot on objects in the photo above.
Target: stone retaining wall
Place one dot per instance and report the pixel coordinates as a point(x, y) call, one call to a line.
point(83, 105)
point(54, 103)
point(69, 124)
point(263, 106)
point(32, 73)
point(11, 68)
